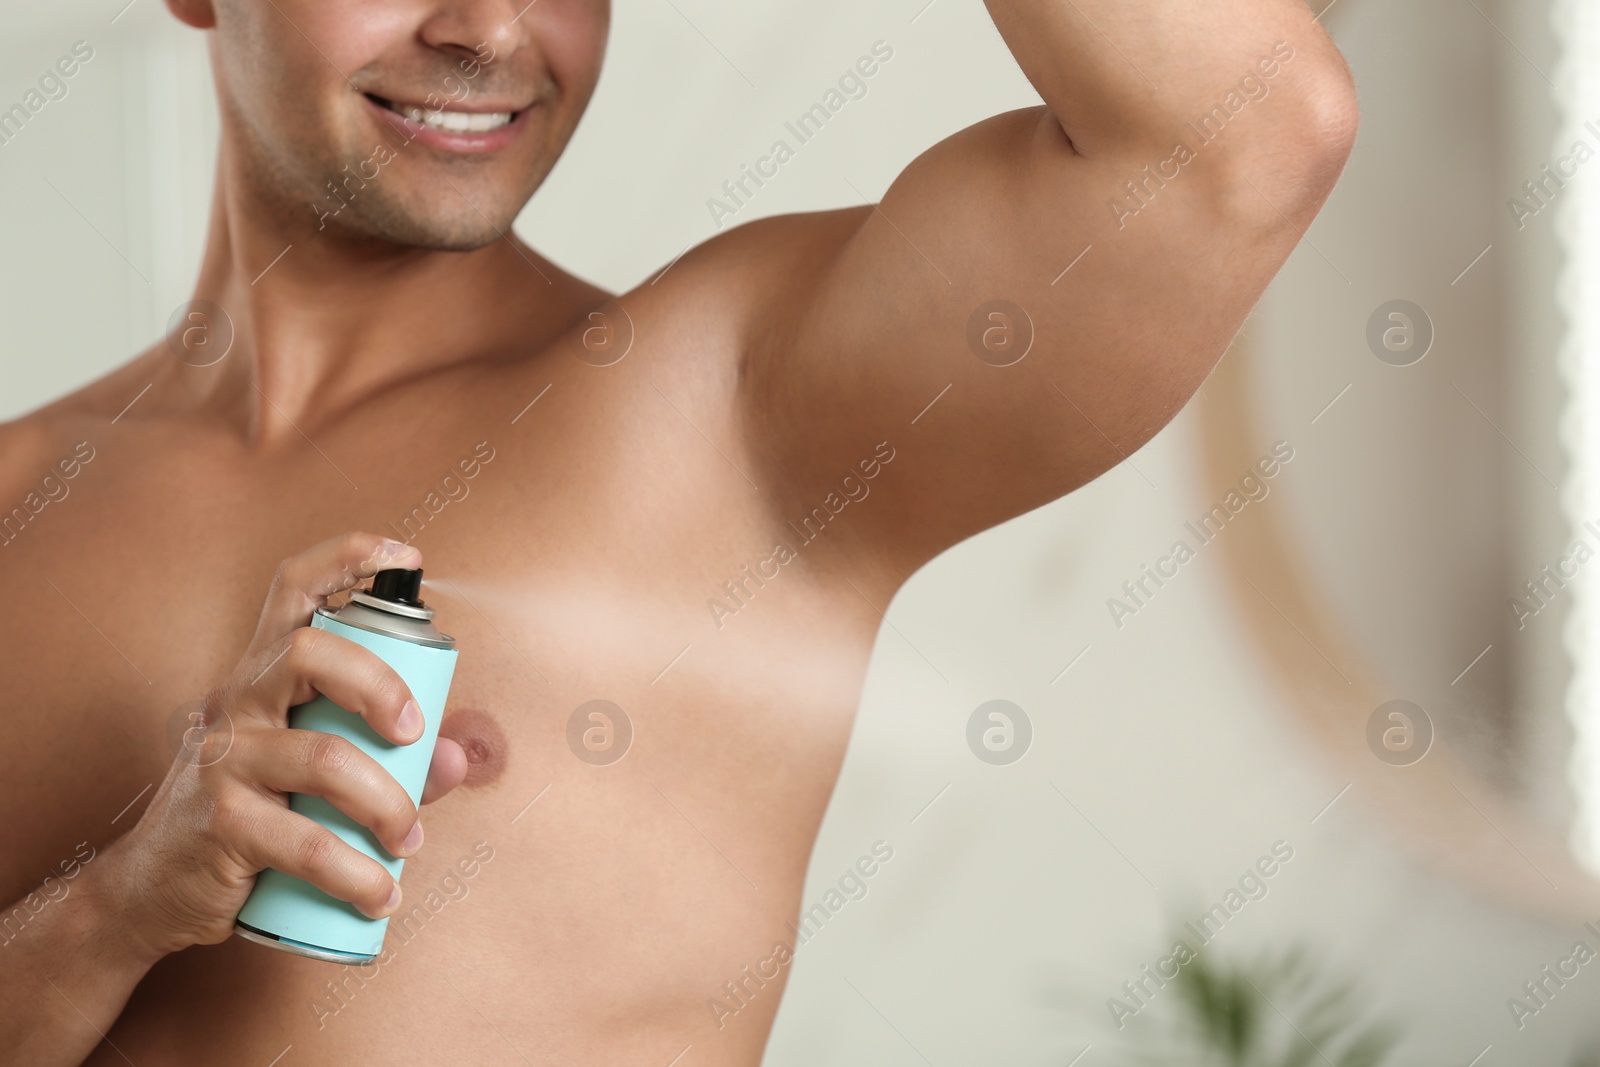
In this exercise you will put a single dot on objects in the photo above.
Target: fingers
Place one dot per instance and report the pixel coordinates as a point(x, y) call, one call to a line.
point(311, 661)
point(267, 834)
point(448, 770)
point(328, 766)
point(304, 582)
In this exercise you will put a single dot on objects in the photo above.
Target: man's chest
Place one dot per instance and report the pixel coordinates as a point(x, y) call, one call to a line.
point(640, 762)
point(576, 570)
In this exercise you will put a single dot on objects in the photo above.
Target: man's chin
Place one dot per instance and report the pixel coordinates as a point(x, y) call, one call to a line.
point(413, 230)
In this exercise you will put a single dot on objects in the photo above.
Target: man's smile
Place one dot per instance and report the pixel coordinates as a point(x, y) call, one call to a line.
point(453, 128)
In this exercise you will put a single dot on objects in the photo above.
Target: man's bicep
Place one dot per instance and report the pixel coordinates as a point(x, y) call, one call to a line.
point(1009, 327)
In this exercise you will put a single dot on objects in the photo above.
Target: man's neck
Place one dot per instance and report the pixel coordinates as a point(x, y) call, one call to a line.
point(320, 321)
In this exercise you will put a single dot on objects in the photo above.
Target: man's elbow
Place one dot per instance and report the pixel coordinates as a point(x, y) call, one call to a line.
point(1327, 130)
point(1291, 162)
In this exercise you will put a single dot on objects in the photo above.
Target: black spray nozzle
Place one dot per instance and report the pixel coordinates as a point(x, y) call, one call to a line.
point(398, 587)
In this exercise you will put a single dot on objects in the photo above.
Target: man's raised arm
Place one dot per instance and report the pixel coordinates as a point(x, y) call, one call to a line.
point(1114, 240)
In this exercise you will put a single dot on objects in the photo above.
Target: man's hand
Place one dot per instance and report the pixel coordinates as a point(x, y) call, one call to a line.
point(181, 874)
point(192, 858)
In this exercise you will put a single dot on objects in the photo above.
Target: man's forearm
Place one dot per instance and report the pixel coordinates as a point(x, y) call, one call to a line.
point(67, 972)
point(1122, 77)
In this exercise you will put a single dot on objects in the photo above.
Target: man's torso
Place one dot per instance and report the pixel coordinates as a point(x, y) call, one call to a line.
point(582, 559)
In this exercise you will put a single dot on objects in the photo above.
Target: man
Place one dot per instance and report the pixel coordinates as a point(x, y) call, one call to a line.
point(693, 502)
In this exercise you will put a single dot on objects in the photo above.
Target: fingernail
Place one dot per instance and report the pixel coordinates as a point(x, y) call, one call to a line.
point(413, 840)
point(395, 549)
point(387, 907)
point(410, 719)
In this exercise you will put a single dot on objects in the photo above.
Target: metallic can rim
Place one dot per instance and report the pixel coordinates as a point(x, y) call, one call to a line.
point(298, 948)
point(395, 626)
point(361, 596)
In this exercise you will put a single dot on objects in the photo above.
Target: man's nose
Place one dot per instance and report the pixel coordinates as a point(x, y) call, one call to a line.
point(478, 28)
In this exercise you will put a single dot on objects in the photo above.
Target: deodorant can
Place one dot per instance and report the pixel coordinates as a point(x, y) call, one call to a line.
point(289, 914)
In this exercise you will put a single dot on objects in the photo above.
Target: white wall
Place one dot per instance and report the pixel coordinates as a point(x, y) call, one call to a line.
point(1011, 912)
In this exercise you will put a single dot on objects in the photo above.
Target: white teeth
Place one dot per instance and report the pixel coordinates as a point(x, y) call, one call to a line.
point(459, 121)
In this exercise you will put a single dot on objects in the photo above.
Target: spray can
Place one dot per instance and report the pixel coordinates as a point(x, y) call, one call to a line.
point(286, 913)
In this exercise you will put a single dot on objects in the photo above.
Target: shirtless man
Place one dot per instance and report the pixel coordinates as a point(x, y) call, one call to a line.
point(694, 500)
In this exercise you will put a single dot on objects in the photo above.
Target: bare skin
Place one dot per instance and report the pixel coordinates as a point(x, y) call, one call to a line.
point(773, 371)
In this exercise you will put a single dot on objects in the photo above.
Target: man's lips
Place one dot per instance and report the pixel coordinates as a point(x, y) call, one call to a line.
point(454, 128)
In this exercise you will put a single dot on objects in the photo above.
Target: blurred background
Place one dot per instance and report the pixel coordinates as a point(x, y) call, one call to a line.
point(1428, 356)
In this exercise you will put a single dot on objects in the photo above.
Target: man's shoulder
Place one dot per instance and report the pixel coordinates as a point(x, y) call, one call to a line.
point(757, 267)
point(28, 436)
point(34, 443)
point(30, 448)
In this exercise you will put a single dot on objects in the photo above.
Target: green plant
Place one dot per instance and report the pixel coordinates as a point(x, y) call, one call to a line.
point(1276, 1010)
